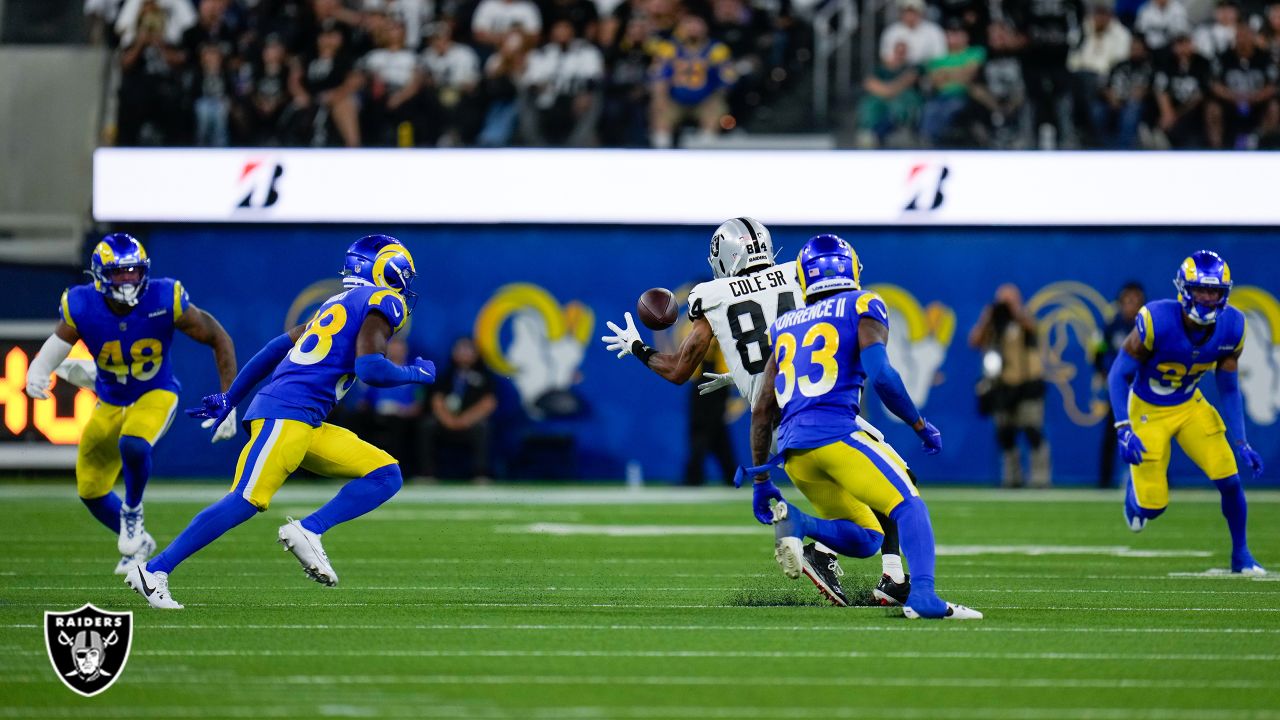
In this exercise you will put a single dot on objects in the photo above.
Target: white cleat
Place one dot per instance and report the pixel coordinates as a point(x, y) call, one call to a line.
point(788, 549)
point(143, 554)
point(1253, 571)
point(954, 612)
point(132, 531)
point(154, 586)
point(306, 546)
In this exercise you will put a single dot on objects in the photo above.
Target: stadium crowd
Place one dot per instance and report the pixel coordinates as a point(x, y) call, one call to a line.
point(954, 73)
point(440, 72)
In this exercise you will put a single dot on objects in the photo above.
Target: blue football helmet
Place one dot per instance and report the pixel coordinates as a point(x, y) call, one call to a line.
point(120, 268)
point(358, 267)
point(1203, 269)
point(828, 263)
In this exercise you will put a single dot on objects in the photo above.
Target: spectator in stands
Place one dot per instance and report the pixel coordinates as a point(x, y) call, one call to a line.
point(1159, 22)
point(151, 103)
point(502, 73)
point(747, 34)
point(495, 18)
point(1244, 95)
point(1015, 394)
point(1270, 36)
point(1105, 45)
point(625, 121)
point(265, 95)
point(318, 16)
point(390, 84)
point(584, 15)
point(214, 88)
point(1047, 25)
point(891, 103)
point(1001, 92)
point(324, 87)
point(950, 79)
point(1215, 38)
point(213, 25)
point(924, 39)
point(452, 75)
point(1181, 92)
point(1121, 103)
point(561, 90)
point(691, 77)
point(1131, 299)
point(463, 400)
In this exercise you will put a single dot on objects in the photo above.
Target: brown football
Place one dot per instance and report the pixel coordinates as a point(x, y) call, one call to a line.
point(657, 308)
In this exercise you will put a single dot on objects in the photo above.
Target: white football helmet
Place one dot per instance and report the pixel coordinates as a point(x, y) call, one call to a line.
point(740, 244)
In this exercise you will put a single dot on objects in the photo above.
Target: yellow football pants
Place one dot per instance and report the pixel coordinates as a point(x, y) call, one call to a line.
point(850, 478)
point(1200, 432)
point(98, 461)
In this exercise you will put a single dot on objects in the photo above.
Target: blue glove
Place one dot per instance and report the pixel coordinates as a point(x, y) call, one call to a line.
point(931, 438)
point(1131, 447)
point(1252, 457)
point(426, 371)
point(761, 494)
point(214, 406)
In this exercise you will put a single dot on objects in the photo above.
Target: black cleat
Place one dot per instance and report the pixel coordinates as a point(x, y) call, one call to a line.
point(892, 594)
point(825, 572)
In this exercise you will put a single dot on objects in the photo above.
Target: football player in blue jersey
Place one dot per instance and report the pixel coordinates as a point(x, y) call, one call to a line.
point(126, 319)
point(1153, 384)
point(823, 355)
point(312, 366)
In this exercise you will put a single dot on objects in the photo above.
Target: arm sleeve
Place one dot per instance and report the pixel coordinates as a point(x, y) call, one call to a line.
point(50, 356)
point(1232, 404)
point(888, 383)
point(258, 368)
point(376, 370)
point(1119, 379)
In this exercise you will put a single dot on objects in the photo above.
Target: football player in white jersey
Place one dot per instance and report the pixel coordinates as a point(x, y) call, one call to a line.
point(736, 309)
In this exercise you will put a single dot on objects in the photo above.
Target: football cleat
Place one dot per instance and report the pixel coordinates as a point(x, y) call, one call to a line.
point(788, 548)
point(306, 546)
point(132, 531)
point(1132, 513)
point(1244, 564)
point(154, 586)
point(824, 570)
point(954, 612)
point(890, 593)
point(147, 546)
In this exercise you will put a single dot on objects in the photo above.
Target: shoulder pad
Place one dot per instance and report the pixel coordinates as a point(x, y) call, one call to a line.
point(1145, 325)
point(392, 306)
point(64, 308)
point(869, 304)
point(702, 298)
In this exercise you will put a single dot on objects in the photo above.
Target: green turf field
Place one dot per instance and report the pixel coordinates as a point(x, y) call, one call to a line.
point(475, 603)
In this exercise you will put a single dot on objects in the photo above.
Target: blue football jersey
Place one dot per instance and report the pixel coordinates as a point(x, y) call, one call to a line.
point(1172, 373)
point(131, 350)
point(320, 368)
point(820, 373)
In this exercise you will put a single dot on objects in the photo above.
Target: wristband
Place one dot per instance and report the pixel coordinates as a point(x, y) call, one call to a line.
point(642, 352)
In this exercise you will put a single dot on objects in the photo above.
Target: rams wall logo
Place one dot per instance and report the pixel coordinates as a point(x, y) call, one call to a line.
point(1070, 316)
point(88, 647)
point(304, 307)
point(1260, 362)
point(258, 184)
point(918, 339)
point(544, 344)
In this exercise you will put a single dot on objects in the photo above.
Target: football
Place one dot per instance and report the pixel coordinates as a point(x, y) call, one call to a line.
point(657, 308)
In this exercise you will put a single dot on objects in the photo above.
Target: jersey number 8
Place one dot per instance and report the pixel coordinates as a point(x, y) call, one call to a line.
point(757, 333)
point(823, 357)
point(319, 336)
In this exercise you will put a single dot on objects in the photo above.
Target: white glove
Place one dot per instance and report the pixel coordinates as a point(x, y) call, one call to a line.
point(38, 386)
point(226, 430)
point(714, 381)
point(624, 338)
point(79, 372)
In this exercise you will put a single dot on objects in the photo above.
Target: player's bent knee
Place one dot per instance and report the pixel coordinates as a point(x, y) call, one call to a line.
point(390, 477)
point(870, 546)
point(134, 449)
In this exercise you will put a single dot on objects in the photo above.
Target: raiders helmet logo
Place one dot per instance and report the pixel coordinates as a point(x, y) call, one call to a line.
point(88, 647)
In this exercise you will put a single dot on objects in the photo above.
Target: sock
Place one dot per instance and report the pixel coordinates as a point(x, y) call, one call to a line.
point(890, 553)
point(1236, 511)
point(209, 525)
point(912, 518)
point(844, 536)
point(106, 509)
point(355, 499)
point(136, 456)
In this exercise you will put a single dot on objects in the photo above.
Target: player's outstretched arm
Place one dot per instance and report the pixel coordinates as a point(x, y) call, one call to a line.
point(204, 328)
point(218, 410)
point(372, 365)
point(1228, 379)
point(675, 367)
point(873, 336)
point(51, 354)
point(1119, 380)
point(764, 418)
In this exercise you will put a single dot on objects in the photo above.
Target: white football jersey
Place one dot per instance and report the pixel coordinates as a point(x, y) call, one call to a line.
point(740, 310)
